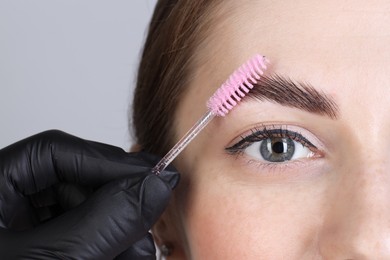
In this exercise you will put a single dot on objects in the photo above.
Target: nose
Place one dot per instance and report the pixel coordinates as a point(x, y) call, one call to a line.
point(357, 222)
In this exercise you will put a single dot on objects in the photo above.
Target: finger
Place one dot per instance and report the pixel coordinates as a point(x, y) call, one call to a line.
point(143, 249)
point(16, 212)
point(40, 161)
point(110, 221)
point(56, 200)
point(21, 213)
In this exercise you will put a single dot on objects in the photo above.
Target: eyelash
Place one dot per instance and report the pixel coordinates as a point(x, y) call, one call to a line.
point(260, 134)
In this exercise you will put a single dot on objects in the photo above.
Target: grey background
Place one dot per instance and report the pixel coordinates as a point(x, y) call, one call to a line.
point(69, 65)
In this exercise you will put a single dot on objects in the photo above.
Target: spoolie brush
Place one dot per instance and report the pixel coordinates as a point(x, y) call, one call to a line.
point(239, 83)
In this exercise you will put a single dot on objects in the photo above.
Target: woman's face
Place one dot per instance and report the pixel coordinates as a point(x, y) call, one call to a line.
point(304, 183)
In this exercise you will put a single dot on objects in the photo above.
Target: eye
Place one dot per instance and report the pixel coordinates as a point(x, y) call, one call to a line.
point(278, 149)
point(274, 145)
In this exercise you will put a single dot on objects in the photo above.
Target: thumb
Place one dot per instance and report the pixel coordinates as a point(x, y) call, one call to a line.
point(113, 218)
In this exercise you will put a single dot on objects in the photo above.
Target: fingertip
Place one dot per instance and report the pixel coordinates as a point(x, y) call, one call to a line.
point(143, 249)
point(170, 177)
point(155, 198)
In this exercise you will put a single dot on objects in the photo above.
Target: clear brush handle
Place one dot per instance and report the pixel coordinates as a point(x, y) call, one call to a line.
point(183, 142)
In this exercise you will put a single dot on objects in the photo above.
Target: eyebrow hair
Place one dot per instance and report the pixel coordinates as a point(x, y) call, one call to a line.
point(302, 95)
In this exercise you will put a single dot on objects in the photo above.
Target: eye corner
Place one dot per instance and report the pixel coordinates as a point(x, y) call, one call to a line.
point(238, 147)
point(317, 154)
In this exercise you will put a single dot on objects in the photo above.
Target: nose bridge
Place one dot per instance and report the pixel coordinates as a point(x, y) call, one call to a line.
point(357, 223)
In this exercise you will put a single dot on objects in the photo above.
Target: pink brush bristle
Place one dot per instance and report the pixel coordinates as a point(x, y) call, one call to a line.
point(237, 86)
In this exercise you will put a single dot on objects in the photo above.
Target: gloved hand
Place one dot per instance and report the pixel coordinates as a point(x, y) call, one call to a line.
point(62, 197)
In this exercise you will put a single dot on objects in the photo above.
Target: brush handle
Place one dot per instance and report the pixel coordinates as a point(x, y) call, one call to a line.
point(183, 142)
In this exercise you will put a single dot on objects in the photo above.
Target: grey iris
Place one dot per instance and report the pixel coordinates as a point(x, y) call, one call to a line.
point(277, 149)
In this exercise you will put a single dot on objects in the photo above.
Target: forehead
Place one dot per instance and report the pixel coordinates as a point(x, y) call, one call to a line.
point(330, 43)
point(298, 30)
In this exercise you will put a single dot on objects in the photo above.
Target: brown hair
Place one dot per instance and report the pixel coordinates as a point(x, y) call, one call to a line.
point(164, 70)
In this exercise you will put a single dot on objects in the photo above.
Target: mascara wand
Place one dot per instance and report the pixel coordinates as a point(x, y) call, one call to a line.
point(226, 97)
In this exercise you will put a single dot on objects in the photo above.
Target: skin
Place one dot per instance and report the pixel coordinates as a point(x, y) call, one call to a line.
point(331, 206)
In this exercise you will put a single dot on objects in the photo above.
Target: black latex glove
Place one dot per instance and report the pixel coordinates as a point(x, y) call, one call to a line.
point(62, 197)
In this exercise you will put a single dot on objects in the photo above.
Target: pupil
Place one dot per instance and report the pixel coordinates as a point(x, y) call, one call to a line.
point(277, 147)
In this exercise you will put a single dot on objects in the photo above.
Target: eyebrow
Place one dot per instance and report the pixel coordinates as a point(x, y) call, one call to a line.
point(297, 94)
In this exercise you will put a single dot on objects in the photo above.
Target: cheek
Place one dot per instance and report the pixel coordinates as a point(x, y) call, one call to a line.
point(225, 219)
